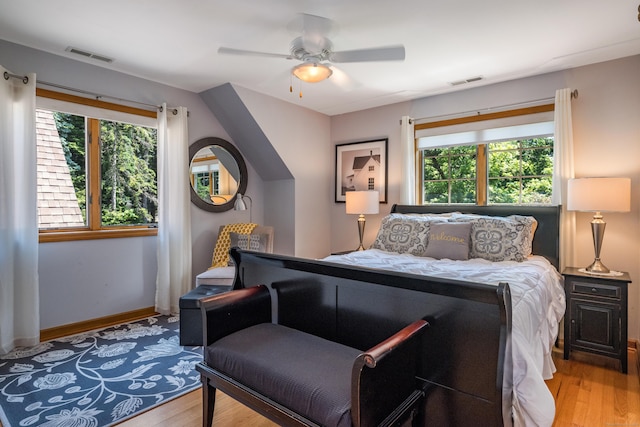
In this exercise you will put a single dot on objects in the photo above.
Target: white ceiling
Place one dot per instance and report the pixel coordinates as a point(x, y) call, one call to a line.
point(175, 42)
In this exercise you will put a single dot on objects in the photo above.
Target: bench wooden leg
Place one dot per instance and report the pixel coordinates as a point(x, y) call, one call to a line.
point(208, 401)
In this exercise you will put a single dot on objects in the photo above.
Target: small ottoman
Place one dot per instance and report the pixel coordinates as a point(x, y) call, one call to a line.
point(190, 316)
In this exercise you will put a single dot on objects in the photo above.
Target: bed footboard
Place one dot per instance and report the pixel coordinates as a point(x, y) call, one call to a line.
point(462, 355)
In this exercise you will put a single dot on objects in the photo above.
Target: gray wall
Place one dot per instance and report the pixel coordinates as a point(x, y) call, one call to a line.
point(78, 280)
point(95, 278)
point(606, 130)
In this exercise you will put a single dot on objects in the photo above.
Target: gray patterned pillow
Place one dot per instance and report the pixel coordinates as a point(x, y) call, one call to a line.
point(404, 234)
point(499, 238)
point(250, 242)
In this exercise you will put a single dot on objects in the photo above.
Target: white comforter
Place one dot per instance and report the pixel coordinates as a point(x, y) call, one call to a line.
point(538, 304)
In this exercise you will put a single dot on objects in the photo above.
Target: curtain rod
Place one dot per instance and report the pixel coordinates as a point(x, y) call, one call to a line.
point(97, 96)
point(8, 75)
point(574, 95)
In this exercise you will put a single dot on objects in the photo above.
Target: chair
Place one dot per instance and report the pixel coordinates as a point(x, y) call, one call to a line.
point(220, 276)
point(221, 273)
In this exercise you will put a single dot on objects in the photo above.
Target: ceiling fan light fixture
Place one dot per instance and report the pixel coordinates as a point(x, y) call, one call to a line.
point(312, 72)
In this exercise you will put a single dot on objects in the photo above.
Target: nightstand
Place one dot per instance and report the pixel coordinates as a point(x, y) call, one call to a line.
point(596, 316)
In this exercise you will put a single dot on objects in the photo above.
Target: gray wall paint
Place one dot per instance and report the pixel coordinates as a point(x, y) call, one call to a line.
point(606, 143)
point(234, 116)
point(91, 279)
point(76, 283)
point(280, 212)
point(301, 137)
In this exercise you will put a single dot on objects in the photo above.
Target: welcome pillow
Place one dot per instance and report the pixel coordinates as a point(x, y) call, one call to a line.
point(449, 240)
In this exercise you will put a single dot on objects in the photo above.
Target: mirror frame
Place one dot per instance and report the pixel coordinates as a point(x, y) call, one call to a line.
point(242, 185)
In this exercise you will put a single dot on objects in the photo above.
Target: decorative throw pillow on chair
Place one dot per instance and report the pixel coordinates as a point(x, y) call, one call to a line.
point(250, 242)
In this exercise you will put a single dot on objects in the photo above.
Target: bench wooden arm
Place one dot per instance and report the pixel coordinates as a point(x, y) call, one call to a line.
point(226, 313)
point(385, 371)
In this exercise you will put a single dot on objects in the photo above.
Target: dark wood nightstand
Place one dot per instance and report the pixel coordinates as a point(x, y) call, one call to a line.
point(596, 316)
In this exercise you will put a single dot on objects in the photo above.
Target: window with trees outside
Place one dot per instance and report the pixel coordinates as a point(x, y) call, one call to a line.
point(506, 158)
point(96, 169)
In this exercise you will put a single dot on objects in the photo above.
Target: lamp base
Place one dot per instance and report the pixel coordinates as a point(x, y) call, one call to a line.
point(361, 223)
point(597, 230)
point(597, 267)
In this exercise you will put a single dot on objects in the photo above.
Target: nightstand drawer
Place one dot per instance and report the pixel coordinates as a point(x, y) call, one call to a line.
point(596, 289)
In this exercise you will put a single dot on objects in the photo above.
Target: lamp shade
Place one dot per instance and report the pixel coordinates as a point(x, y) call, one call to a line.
point(239, 204)
point(312, 72)
point(362, 202)
point(599, 194)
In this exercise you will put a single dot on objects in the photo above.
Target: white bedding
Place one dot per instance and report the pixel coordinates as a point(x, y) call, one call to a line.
point(538, 304)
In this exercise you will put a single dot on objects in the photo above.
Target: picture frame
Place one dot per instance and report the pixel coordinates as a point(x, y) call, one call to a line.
point(361, 166)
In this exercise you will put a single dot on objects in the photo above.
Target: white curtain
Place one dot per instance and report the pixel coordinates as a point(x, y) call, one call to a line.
point(174, 220)
point(19, 299)
point(562, 172)
point(408, 165)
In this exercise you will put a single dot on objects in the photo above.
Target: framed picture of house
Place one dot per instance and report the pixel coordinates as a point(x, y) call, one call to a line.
point(361, 166)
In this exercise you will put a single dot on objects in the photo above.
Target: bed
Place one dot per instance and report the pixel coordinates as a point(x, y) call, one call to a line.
point(494, 323)
point(537, 293)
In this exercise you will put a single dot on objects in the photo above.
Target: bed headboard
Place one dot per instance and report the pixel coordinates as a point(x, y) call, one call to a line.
point(545, 241)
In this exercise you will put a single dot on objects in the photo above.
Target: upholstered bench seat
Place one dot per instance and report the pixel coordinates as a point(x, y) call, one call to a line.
point(303, 372)
point(297, 378)
point(221, 276)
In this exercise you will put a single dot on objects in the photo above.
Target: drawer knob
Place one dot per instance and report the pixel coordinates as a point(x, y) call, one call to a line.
point(594, 290)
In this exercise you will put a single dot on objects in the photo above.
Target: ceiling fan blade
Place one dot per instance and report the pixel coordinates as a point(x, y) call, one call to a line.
point(232, 51)
point(386, 53)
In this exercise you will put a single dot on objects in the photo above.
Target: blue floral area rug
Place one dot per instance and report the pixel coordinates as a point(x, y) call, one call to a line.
point(97, 378)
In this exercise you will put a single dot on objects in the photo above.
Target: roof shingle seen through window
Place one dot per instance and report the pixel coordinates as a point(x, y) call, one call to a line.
point(57, 203)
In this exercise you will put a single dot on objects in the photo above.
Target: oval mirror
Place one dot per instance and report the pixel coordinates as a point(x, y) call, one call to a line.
point(217, 173)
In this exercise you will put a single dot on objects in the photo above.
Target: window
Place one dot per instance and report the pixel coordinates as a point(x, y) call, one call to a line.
point(520, 171)
point(449, 175)
point(96, 169)
point(504, 158)
point(371, 184)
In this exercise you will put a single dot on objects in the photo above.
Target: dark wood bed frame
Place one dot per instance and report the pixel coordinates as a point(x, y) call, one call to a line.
point(463, 353)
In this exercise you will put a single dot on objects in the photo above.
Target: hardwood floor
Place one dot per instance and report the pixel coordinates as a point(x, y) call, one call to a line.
point(186, 411)
point(587, 394)
point(595, 393)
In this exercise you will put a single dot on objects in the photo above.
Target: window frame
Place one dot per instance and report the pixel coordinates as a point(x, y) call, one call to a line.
point(94, 230)
point(482, 173)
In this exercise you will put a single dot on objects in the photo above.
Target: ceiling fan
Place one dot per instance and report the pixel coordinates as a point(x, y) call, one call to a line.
point(315, 50)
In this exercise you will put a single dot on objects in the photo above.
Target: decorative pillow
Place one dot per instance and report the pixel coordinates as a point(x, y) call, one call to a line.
point(449, 240)
point(221, 250)
point(500, 238)
point(404, 234)
point(250, 242)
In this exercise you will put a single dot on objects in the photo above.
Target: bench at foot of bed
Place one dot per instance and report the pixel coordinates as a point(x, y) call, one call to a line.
point(296, 378)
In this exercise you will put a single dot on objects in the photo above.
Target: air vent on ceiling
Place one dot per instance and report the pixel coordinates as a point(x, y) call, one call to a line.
point(89, 54)
point(469, 80)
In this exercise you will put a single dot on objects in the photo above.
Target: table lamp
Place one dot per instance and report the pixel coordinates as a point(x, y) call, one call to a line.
point(598, 195)
point(361, 203)
point(240, 204)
